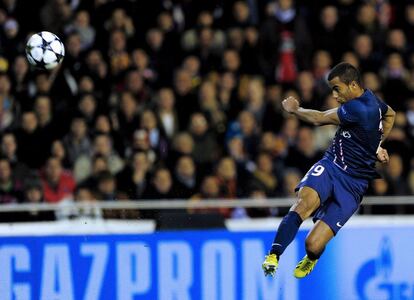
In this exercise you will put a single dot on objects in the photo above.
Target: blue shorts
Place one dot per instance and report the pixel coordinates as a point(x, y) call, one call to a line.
point(339, 192)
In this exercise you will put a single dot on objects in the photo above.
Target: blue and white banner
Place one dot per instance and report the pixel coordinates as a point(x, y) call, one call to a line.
point(360, 263)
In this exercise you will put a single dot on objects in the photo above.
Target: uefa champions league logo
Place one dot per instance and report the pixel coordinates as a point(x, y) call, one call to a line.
point(379, 270)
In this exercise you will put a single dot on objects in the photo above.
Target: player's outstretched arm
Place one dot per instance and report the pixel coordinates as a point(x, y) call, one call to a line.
point(315, 117)
point(387, 123)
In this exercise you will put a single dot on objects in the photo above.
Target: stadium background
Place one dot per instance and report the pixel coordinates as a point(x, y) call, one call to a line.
point(181, 100)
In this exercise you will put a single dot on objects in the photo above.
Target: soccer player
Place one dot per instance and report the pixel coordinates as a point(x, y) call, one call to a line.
point(333, 187)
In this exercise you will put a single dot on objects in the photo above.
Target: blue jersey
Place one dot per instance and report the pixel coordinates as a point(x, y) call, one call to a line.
point(359, 134)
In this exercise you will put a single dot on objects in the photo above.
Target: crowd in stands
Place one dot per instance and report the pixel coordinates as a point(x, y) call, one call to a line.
point(182, 98)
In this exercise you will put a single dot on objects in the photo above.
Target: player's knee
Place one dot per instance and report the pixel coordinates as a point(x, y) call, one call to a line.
point(313, 247)
point(307, 203)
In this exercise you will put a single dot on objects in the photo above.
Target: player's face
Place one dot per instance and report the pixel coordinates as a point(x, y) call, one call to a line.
point(341, 91)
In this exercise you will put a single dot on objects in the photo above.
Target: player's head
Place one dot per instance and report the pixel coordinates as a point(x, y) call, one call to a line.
point(345, 81)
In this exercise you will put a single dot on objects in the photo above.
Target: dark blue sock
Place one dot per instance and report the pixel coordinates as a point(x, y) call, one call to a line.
point(286, 232)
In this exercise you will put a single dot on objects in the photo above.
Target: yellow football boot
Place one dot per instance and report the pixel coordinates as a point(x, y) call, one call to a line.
point(270, 265)
point(304, 267)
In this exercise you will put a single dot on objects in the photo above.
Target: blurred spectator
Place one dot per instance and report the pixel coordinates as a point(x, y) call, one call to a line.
point(182, 144)
point(380, 187)
point(263, 178)
point(250, 58)
point(209, 190)
point(120, 21)
point(186, 100)
point(72, 63)
point(55, 14)
point(304, 154)
point(249, 132)
point(11, 190)
point(7, 103)
point(368, 23)
point(135, 84)
point(33, 194)
point(306, 87)
point(28, 137)
point(210, 106)
point(396, 78)
point(206, 50)
point(102, 145)
point(134, 178)
point(395, 176)
point(13, 41)
point(364, 49)
point(85, 195)
point(191, 64)
point(58, 184)
point(81, 25)
point(321, 65)
point(396, 42)
point(227, 96)
point(205, 19)
point(127, 116)
point(157, 50)
point(20, 77)
point(166, 112)
point(156, 136)
point(9, 151)
point(88, 108)
point(77, 142)
point(227, 178)
point(48, 127)
point(372, 82)
point(241, 14)
point(408, 23)
point(103, 125)
point(285, 42)
point(185, 177)
point(161, 186)
point(140, 61)
point(277, 148)
point(33, 191)
point(119, 58)
point(237, 150)
point(99, 164)
point(255, 102)
point(58, 150)
point(106, 186)
point(291, 179)
point(273, 118)
point(231, 61)
point(205, 145)
point(327, 31)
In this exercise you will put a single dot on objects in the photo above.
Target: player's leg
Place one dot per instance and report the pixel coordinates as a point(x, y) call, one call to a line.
point(315, 244)
point(317, 239)
point(308, 201)
point(347, 194)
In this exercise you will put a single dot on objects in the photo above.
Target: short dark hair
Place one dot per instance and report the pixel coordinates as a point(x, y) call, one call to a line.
point(346, 73)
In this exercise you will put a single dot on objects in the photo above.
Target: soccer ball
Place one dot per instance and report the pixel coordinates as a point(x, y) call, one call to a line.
point(44, 50)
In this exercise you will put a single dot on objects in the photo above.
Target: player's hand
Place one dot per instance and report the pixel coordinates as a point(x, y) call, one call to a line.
point(290, 104)
point(382, 155)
